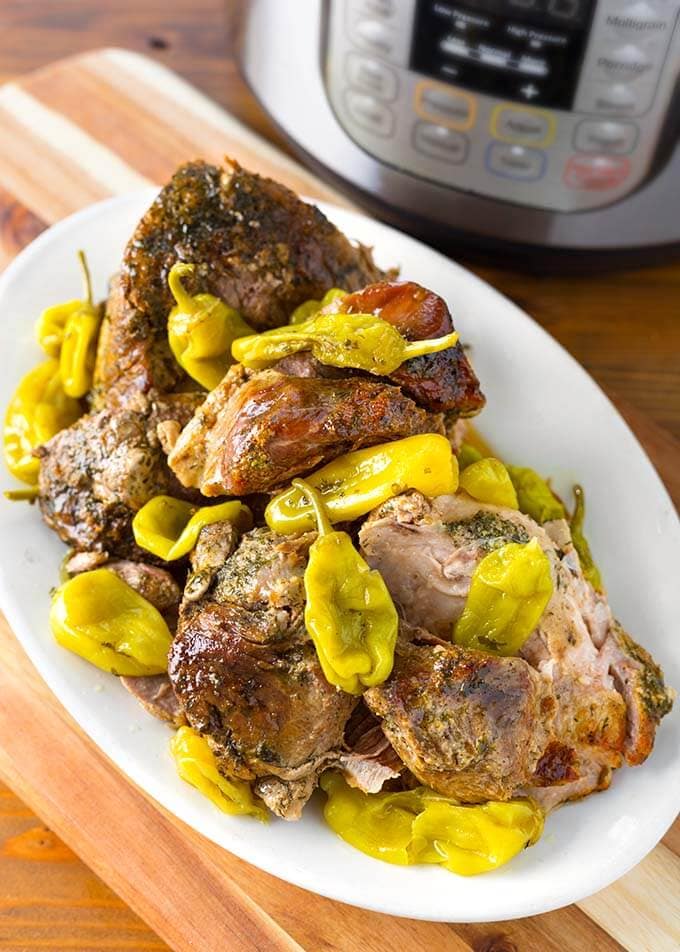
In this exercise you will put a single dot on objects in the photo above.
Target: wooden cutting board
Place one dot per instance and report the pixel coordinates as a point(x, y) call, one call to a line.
point(78, 131)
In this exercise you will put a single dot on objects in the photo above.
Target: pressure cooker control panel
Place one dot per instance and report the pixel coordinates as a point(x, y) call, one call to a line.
point(556, 104)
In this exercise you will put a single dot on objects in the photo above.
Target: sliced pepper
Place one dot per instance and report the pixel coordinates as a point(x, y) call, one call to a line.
point(201, 330)
point(362, 341)
point(487, 480)
point(196, 765)
point(510, 589)
point(420, 826)
point(101, 618)
point(38, 410)
point(349, 613)
point(309, 308)
point(169, 527)
point(352, 485)
point(534, 495)
point(590, 569)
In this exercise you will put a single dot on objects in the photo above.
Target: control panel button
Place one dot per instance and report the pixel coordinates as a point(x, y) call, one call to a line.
point(372, 76)
point(615, 99)
point(378, 8)
point(595, 173)
point(440, 142)
point(445, 106)
point(614, 138)
point(515, 161)
point(640, 19)
point(625, 62)
point(374, 36)
point(523, 126)
point(369, 113)
point(565, 10)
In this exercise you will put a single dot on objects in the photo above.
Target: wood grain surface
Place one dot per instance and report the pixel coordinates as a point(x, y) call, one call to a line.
point(129, 128)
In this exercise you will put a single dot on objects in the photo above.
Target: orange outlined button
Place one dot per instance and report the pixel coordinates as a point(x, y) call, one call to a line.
point(445, 105)
point(522, 125)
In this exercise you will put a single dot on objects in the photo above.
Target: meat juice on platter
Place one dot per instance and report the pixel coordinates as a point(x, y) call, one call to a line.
point(266, 554)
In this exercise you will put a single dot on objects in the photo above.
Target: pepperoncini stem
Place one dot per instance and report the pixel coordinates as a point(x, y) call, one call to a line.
point(169, 527)
point(417, 348)
point(101, 618)
point(354, 484)
point(196, 764)
point(179, 270)
point(488, 481)
point(590, 569)
point(87, 279)
point(509, 592)
point(421, 826)
point(534, 495)
point(21, 495)
point(323, 523)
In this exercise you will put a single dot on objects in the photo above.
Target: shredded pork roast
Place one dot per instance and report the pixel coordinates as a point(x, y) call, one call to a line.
point(581, 699)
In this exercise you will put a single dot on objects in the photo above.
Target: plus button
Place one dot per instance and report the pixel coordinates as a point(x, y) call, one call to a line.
point(529, 91)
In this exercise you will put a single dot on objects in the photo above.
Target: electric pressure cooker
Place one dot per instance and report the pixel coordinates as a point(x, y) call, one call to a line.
point(533, 125)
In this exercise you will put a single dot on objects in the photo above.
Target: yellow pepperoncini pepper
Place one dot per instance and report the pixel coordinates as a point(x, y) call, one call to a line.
point(201, 330)
point(37, 411)
point(69, 331)
point(534, 495)
point(349, 613)
point(101, 618)
point(420, 826)
point(362, 341)
point(590, 569)
point(309, 308)
point(169, 527)
point(196, 765)
point(352, 485)
point(510, 589)
point(487, 480)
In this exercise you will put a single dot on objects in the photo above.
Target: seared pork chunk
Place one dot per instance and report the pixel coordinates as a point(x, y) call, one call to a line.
point(610, 694)
point(154, 584)
point(97, 473)
point(273, 427)
point(640, 680)
point(470, 725)
point(257, 247)
point(441, 382)
point(248, 676)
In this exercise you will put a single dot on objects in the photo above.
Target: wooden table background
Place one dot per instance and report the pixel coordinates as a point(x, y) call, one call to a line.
point(624, 327)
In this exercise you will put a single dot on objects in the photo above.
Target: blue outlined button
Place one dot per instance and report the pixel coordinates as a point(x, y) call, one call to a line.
point(516, 161)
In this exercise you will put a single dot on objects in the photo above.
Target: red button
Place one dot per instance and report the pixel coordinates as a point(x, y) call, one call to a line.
point(595, 173)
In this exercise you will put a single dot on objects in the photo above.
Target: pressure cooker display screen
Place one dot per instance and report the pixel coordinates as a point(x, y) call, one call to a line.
point(530, 50)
